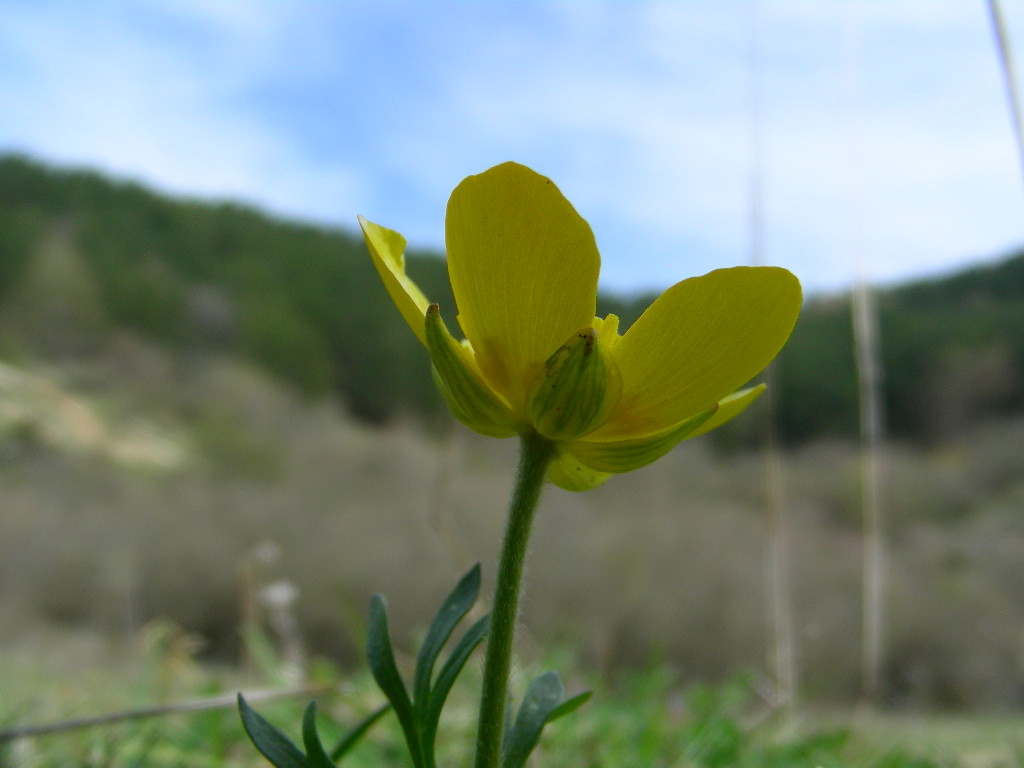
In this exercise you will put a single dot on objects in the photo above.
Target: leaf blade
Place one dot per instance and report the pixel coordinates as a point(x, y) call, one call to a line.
point(431, 714)
point(316, 756)
point(381, 659)
point(541, 700)
point(452, 611)
point(268, 740)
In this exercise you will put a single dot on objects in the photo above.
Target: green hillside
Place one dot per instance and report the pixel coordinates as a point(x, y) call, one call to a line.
point(952, 356)
point(82, 255)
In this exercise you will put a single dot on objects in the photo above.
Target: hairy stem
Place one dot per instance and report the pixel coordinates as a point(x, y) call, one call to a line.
point(535, 455)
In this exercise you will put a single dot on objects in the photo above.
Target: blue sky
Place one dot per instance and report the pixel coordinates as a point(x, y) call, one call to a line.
point(884, 133)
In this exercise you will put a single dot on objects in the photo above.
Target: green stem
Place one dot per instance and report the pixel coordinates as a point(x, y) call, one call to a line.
point(535, 455)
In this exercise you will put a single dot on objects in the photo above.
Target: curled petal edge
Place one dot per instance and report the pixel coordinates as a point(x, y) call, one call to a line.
point(387, 249)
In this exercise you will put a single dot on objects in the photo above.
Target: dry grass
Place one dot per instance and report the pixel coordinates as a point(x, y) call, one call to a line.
point(663, 564)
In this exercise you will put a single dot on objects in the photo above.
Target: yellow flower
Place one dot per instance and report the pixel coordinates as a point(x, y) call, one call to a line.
point(523, 266)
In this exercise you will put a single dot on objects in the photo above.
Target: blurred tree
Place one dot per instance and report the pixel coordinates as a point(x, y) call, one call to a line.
point(305, 302)
point(55, 306)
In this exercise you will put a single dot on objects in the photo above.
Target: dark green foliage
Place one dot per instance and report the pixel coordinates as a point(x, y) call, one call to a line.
point(303, 301)
point(952, 354)
point(953, 349)
point(544, 701)
point(816, 382)
point(271, 743)
point(282, 753)
point(288, 344)
point(22, 228)
point(382, 664)
point(420, 715)
point(306, 303)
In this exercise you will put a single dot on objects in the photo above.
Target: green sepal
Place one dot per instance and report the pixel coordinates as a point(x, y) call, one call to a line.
point(381, 658)
point(567, 472)
point(729, 408)
point(455, 607)
point(586, 463)
point(617, 456)
point(349, 739)
point(541, 704)
point(270, 742)
point(576, 390)
point(316, 755)
point(470, 399)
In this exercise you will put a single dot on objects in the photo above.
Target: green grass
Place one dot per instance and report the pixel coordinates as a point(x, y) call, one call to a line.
point(641, 720)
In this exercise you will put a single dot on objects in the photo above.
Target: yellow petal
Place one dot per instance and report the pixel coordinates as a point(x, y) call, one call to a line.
point(626, 455)
point(468, 396)
point(701, 340)
point(387, 249)
point(567, 472)
point(523, 266)
point(608, 330)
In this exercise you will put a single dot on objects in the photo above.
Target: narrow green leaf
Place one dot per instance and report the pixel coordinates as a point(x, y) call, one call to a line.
point(316, 756)
point(569, 705)
point(271, 743)
point(382, 664)
point(431, 714)
point(541, 700)
point(455, 607)
point(349, 739)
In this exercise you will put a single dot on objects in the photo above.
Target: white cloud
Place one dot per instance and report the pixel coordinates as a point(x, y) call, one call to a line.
point(640, 113)
point(107, 89)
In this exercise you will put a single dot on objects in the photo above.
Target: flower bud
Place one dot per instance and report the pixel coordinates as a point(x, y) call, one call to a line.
point(576, 390)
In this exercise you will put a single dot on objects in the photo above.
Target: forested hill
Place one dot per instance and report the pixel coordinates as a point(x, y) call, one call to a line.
point(83, 256)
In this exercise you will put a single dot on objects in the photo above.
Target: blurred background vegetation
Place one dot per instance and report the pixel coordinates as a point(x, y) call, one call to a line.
point(188, 386)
